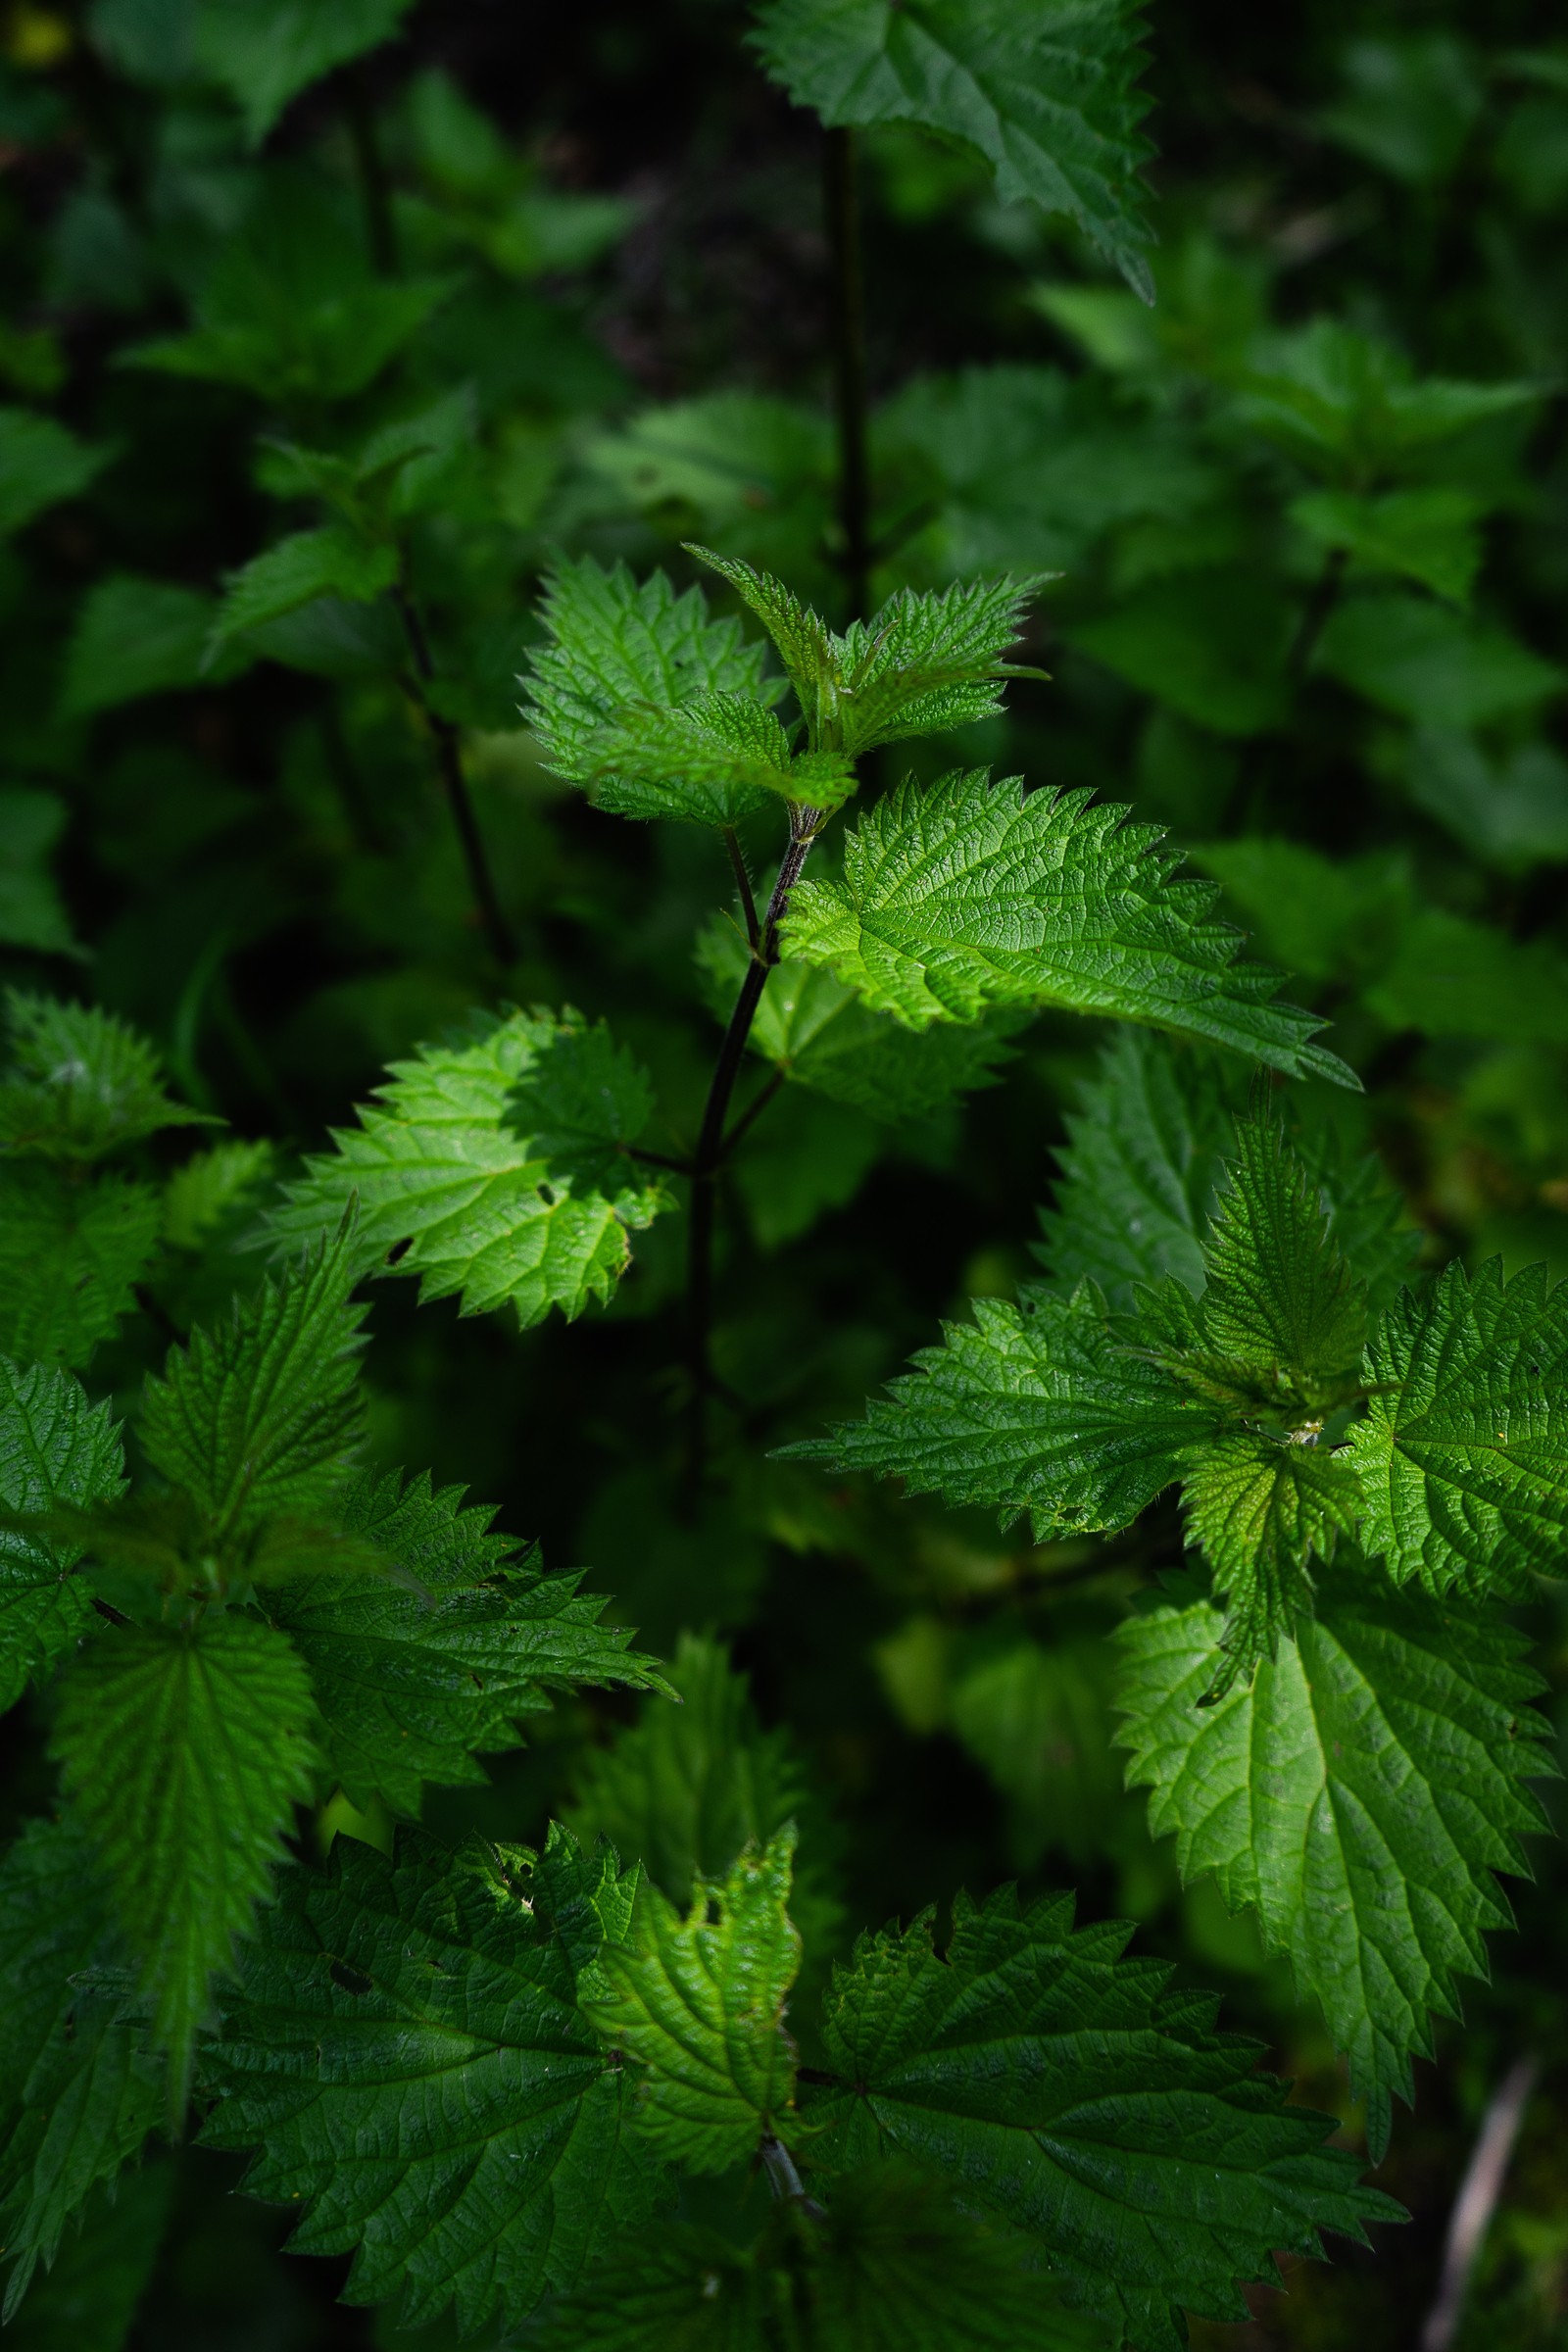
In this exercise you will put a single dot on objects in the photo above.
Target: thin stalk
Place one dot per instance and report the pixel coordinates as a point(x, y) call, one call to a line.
point(841, 209)
point(711, 1144)
point(1314, 617)
point(743, 883)
point(449, 765)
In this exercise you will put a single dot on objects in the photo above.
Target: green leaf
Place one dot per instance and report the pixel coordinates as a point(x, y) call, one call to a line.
point(715, 753)
point(31, 914)
point(1424, 662)
point(73, 1250)
point(613, 646)
point(687, 1787)
point(1463, 1454)
point(77, 2098)
point(1430, 535)
point(1141, 1173)
point(1357, 1795)
point(262, 1415)
point(79, 1083)
point(1351, 407)
point(1028, 466)
point(1510, 811)
point(817, 1034)
point(744, 472)
point(201, 1198)
point(42, 463)
point(413, 1683)
point(184, 1749)
point(920, 666)
point(265, 52)
point(958, 894)
point(1049, 99)
point(1040, 1408)
point(1327, 919)
point(1258, 1507)
point(55, 1448)
point(1280, 1297)
point(334, 562)
point(1409, 104)
point(1453, 977)
point(135, 637)
point(289, 310)
point(1065, 2089)
point(408, 2053)
point(894, 2265)
point(697, 2003)
point(1210, 645)
point(500, 1158)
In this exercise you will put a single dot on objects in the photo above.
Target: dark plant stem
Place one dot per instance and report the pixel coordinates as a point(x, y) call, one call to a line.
point(743, 883)
point(449, 763)
point(369, 164)
point(841, 207)
point(657, 1160)
point(1314, 618)
point(710, 1146)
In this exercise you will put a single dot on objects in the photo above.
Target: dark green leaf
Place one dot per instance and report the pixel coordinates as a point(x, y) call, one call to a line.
point(407, 2054)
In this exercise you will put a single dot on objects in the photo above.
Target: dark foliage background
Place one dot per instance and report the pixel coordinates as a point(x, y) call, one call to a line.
point(257, 868)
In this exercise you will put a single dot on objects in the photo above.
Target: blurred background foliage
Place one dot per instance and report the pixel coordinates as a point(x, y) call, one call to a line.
point(1311, 516)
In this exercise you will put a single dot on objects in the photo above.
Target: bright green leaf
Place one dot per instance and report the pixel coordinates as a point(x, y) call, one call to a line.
point(1357, 1794)
point(1040, 1408)
point(697, 2004)
point(961, 893)
point(502, 1158)
point(185, 1750)
point(615, 646)
point(262, 1414)
point(1463, 1454)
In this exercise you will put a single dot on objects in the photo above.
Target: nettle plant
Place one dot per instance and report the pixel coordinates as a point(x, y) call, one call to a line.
point(489, 2074)
point(521, 2083)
